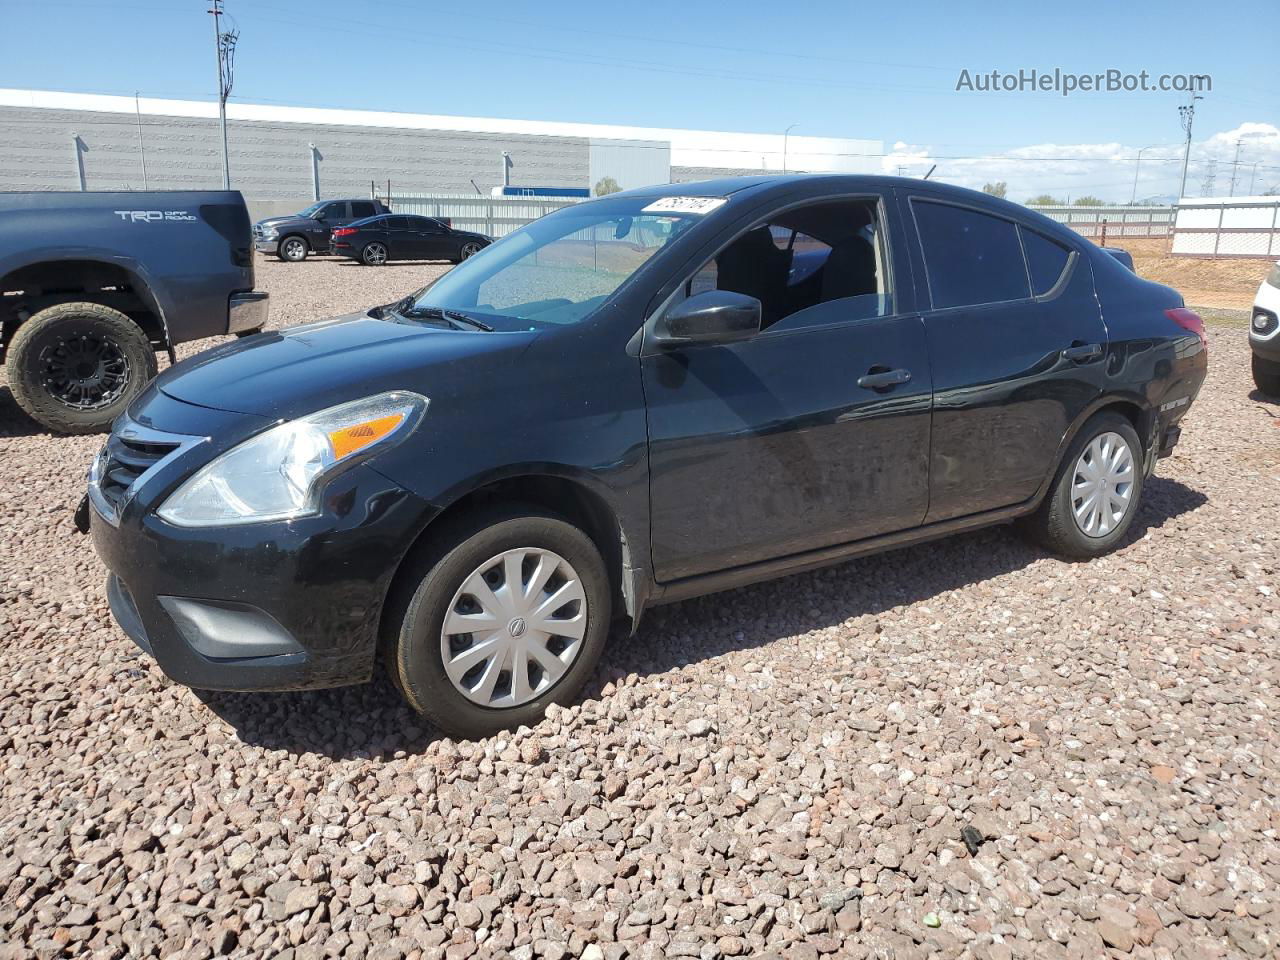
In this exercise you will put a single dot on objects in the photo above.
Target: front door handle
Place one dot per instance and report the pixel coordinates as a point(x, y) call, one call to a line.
point(1082, 352)
point(879, 378)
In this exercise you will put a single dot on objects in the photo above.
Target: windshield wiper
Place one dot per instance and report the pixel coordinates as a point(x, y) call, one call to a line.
point(460, 320)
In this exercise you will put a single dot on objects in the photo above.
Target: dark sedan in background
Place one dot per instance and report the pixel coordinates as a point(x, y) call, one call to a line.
point(375, 240)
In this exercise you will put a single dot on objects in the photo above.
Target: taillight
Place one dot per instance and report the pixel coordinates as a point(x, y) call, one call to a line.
point(344, 231)
point(1190, 321)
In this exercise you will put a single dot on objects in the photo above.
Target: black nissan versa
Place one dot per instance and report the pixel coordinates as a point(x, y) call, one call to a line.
point(636, 399)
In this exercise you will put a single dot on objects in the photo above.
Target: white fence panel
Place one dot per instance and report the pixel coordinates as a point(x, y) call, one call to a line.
point(1228, 227)
point(492, 216)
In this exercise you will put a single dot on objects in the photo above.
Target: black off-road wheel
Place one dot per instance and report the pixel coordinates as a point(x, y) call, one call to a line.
point(75, 367)
point(1095, 493)
point(499, 618)
point(1266, 376)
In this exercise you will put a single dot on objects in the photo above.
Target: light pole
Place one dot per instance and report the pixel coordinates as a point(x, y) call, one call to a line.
point(1136, 167)
point(786, 134)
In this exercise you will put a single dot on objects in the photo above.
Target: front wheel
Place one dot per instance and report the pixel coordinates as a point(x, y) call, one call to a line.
point(374, 254)
point(292, 250)
point(75, 367)
point(1096, 491)
point(469, 249)
point(506, 616)
point(1266, 376)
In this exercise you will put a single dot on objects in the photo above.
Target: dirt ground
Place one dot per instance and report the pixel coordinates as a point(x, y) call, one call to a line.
point(1224, 283)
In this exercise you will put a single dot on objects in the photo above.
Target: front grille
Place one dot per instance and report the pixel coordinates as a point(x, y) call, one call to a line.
point(124, 461)
point(257, 232)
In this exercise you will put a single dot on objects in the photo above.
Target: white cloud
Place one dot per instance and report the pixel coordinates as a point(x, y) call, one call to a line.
point(1106, 170)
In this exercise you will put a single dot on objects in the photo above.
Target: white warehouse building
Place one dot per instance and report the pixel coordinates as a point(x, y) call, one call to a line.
point(74, 141)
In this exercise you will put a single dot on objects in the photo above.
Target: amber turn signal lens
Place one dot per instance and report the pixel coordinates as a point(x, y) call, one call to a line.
point(356, 437)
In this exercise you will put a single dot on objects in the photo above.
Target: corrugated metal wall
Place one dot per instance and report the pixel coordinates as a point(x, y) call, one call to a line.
point(270, 160)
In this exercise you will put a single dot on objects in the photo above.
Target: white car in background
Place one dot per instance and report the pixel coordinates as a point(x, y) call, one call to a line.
point(1264, 334)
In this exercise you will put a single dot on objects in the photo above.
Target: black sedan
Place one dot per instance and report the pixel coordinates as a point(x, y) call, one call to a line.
point(396, 236)
point(633, 400)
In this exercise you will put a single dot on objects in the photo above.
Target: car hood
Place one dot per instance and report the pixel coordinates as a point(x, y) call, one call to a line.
point(276, 221)
point(290, 373)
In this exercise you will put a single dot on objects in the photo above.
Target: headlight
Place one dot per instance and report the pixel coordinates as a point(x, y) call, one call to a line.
point(277, 475)
point(270, 231)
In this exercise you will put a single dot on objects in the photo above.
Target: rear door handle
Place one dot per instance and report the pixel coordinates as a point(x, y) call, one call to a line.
point(878, 378)
point(1082, 352)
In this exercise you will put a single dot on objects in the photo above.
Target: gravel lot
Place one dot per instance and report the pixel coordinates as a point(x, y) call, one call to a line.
point(786, 769)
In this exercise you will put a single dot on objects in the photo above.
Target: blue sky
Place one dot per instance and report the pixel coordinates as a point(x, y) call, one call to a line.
point(884, 71)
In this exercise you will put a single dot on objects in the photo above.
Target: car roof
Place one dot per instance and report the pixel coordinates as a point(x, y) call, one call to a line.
point(762, 186)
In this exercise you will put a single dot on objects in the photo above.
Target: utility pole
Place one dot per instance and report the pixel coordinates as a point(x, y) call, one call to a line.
point(1252, 177)
point(225, 50)
point(142, 152)
point(1187, 114)
point(1235, 168)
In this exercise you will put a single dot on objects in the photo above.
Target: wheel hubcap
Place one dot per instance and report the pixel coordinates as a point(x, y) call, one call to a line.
point(1102, 487)
point(375, 253)
point(293, 249)
point(85, 372)
point(514, 627)
point(470, 250)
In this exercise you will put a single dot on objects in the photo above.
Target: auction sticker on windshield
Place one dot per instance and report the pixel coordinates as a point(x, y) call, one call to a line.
point(698, 205)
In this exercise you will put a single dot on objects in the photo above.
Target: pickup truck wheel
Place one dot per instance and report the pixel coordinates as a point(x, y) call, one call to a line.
point(1095, 493)
point(292, 250)
point(75, 367)
point(504, 616)
point(1266, 376)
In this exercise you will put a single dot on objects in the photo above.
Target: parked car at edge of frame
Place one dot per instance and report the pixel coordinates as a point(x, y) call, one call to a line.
point(293, 237)
point(93, 283)
point(632, 400)
point(398, 236)
point(1264, 334)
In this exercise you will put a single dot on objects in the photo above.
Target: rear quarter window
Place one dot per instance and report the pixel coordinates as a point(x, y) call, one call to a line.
point(970, 258)
point(1046, 260)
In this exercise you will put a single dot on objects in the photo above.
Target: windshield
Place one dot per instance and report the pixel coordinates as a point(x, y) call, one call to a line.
point(558, 269)
point(312, 210)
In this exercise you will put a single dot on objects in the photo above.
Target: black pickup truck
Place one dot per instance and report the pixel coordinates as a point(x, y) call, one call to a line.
point(93, 284)
point(293, 237)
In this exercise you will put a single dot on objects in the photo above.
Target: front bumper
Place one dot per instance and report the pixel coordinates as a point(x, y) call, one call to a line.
point(247, 311)
point(273, 606)
point(266, 246)
point(1264, 337)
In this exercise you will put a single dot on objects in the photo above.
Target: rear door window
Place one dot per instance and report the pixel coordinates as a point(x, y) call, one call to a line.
point(1046, 259)
point(362, 208)
point(970, 258)
point(397, 224)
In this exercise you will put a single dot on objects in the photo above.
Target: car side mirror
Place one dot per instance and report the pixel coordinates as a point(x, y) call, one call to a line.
point(716, 316)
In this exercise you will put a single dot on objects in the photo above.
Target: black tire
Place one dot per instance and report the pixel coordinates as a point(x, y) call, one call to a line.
point(469, 249)
point(293, 249)
point(1054, 525)
point(1266, 376)
point(414, 618)
point(369, 255)
point(42, 375)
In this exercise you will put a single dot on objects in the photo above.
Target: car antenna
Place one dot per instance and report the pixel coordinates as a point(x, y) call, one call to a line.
point(931, 169)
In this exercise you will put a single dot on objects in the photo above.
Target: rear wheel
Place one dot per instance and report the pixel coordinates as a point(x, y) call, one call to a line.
point(374, 254)
point(1266, 376)
point(504, 617)
point(292, 250)
point(75, 367)
point(1095, 494)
